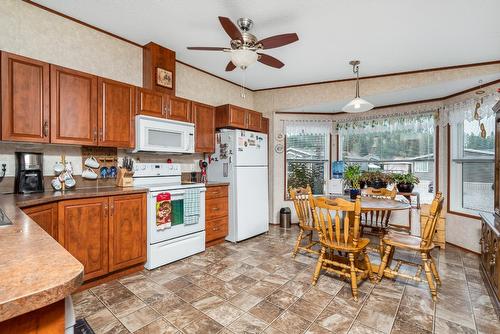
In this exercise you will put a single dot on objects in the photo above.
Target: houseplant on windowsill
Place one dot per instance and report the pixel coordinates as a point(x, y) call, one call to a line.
point(406, 182)
point(352, 175)
point(378, 179)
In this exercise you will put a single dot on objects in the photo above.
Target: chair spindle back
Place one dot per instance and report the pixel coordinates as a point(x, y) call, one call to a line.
point(434, 214)
point(338, 230)
point(303, 202)
point(378, 218)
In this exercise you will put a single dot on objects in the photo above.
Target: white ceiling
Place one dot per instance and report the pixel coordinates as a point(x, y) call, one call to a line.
point(407, 95)
point(386, 35)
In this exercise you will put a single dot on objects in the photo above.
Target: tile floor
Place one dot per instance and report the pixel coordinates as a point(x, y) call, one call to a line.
point(255, 287)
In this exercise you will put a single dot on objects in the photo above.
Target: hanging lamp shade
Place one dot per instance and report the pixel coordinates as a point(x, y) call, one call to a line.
point(243, 57)
point(357, 104)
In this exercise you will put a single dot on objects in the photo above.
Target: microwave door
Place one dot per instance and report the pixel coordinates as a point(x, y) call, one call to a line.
point(164, 140)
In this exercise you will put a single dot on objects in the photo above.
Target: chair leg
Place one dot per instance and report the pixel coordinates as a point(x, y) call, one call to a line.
point(297, 243)
point(434, 270)
point(368, 265)
point(428, 274)
point(383, 263)
point(354, 282)
point(319, 264)
point(381, 242)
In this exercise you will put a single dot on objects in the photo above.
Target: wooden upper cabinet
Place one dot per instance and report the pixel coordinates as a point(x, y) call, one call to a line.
point(127, 231)
point(264, 125)
point(116, 110)
point(179, 109)
point(25, 99)
point(151, 103)
point(46, 216)
point(254, 120)
point(83, 231)
point(158, 71)
point(204, 127)
point(73, 107)
point(229, 116)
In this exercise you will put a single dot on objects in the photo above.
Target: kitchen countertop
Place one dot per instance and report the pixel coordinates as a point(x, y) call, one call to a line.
point(216, 184)
point(35, 270)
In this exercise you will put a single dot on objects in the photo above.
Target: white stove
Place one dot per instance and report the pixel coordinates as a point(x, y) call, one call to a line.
point(184, 237)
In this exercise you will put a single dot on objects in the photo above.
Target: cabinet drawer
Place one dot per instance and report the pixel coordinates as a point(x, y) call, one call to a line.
point(216, 229)
point(215, 208)
point(216, 192)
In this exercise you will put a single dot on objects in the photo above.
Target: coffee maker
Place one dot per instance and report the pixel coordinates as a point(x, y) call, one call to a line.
point(29, 173)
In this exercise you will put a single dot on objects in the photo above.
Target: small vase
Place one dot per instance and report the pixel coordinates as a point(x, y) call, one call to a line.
point(354, 193)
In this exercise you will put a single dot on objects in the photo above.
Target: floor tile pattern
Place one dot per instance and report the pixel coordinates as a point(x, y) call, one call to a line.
point(256, 287)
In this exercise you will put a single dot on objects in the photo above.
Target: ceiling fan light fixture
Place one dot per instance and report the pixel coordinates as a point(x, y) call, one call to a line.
point(243, 58)
point(357, 104)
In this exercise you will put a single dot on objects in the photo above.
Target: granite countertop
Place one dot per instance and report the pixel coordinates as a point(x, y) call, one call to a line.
point(216, 184)
point(35, 270)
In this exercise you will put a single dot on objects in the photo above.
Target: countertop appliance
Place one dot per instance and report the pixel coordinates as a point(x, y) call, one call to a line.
point(153, 134)
point(240, 158)
point(29, 173)
point(186, 234)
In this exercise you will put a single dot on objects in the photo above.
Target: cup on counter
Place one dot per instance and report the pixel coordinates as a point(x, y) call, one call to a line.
point(104, 172)
point(70, 181)
point(112, 171)
point(58, 168)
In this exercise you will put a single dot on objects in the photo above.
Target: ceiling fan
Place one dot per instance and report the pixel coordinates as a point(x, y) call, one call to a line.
point(245, 47)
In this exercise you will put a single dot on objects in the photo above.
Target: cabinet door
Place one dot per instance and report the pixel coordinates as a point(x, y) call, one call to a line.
point(73, 107)
point(127, 231)
point(264, 127)
point(204, 126)
point(238, 117)
point(83, 231)
point(151, 103)
point(116, 109)
point(179, 109)
point(254, 120)
point(46, 216)
point(25, 99)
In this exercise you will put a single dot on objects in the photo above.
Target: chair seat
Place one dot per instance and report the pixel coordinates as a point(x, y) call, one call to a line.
point(362, 243)
point(399, 239)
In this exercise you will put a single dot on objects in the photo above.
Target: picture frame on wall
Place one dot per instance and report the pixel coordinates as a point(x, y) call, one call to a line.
point(164, 78)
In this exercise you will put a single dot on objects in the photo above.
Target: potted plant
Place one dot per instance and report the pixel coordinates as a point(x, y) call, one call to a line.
point(406, 182)
point(377, 179)
point(352, 175)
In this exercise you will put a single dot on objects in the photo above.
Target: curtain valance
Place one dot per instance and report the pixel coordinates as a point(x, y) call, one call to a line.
point(476, 108)
point(308, 127)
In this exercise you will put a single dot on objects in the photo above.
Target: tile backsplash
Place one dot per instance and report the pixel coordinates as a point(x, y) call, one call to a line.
point(52, 154)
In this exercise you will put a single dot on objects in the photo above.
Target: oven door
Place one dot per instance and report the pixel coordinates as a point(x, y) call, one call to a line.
point(178, 227)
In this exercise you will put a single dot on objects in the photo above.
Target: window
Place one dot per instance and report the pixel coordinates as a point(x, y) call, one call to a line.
point(472, 165)
point(394, 145)
point(307, 161)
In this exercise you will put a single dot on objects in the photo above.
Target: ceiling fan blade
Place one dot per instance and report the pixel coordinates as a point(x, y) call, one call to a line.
point(205, 48)
point(278, 40)
point(270, 61)
point(230, 28)
point(230, 66)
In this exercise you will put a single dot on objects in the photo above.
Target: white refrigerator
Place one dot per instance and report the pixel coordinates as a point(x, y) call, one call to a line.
point(240, 158)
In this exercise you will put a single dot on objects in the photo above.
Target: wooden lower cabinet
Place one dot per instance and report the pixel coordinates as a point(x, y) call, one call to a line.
point(490, 256)
point(83, 231)
point(127, 231)
point(44, 215)
point(105, 234)
point(216, 215)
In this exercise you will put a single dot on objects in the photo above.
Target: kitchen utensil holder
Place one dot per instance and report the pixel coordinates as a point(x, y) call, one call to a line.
point(124, 178)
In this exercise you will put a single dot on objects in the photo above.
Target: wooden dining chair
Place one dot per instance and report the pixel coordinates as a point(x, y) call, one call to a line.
point(339, 232)
point(423, 245)
point(304, 209)
point(377, 220)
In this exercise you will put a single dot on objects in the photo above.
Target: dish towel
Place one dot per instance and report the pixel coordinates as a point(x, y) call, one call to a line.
point(191, 206)
point(163, 211)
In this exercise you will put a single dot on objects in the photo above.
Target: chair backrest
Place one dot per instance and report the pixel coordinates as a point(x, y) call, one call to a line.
point(378, 218)
point(336, 227)
point(430, 224)
point(303, 203)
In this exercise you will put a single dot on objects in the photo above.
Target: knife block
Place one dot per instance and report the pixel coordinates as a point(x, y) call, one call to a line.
point(124, 178)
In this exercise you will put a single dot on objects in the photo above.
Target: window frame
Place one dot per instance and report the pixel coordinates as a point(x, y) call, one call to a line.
point(455, 175)
point(328, 172)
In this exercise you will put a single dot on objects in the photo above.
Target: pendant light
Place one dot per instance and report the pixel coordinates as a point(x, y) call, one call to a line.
point(358, 104)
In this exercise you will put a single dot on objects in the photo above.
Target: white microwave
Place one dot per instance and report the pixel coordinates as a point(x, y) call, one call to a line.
point(153, 134)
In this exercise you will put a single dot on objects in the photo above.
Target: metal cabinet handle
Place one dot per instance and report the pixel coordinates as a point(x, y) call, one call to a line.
point(100, 134)
point(105, 209)
point(112, 210)
point(215, 209)
point(94, 136)
point(45, 128)
point(215, 229)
